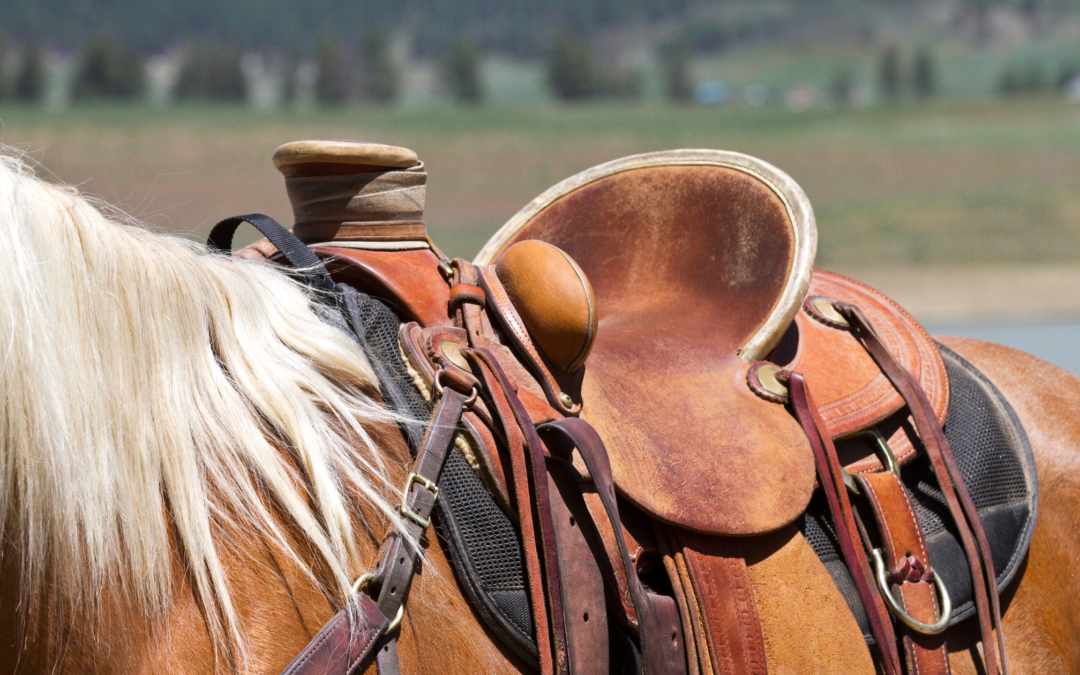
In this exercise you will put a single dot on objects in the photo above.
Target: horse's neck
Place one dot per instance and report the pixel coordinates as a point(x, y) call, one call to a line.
point(280, 606)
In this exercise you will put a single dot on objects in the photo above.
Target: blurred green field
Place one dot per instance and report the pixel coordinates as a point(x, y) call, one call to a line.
point(940, 183)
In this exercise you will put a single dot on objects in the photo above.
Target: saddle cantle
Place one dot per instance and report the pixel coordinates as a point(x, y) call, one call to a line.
point(669, 301)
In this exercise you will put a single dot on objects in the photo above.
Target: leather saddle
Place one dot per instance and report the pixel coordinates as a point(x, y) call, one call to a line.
point(655, 326)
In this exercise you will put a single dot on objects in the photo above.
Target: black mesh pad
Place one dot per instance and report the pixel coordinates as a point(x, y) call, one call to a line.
point(995, 460)
point(485, 547)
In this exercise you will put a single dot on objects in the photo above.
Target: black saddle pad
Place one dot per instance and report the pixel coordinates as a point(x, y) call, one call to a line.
point(995, 460)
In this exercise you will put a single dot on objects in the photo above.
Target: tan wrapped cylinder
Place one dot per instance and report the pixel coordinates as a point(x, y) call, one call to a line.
point(344, 153)
point(343, 186)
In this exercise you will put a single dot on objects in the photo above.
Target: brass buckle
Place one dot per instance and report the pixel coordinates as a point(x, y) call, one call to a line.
point(882, 450)
point(408, 512)
point(397, 620)
point(945, 614)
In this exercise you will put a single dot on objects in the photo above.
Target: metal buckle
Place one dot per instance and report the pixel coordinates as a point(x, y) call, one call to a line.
point(408, 512)
point(945, 614)
point(884, 453)
point(397, 620)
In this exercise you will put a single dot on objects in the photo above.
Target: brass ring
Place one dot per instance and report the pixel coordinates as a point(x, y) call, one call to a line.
point(905, 618)
point(360, 581)
point(884, 452)
point(397, 620)
point(440, 389)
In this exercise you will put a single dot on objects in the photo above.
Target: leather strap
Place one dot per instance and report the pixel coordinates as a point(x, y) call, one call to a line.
point(580, 552)
point(500, 306)
point(909, 564)
point(399, 558)
point(660, 629)
point(830, 473)
point(532, 508)
point(344, 642)
point(726, 601)
point(961, 507)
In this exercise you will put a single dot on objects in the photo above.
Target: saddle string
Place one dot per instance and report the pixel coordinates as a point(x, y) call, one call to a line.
point(498, 394)
point(830, 473)
point(961, 506)
point(660, 654)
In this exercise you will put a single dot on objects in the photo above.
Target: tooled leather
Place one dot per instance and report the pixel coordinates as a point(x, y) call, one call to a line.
point(853, 393)
point(902, 536)
point(726, 596)
point(856, 397)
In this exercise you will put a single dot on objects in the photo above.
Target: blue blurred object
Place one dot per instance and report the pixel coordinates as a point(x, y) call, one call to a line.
point(1055, 341)
point(711, 93)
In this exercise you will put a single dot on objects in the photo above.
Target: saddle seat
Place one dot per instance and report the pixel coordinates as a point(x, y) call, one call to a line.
point(700, 262)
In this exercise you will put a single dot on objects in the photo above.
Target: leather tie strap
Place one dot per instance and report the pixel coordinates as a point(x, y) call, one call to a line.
point(659, 626)
point(830, 473)
point(960, 504)
point(534, 512)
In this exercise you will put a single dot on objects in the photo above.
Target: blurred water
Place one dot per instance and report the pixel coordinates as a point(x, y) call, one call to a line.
point(1055, 341)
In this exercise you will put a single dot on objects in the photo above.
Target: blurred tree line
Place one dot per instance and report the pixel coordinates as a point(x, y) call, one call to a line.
point(333, 71)
point(521, 28)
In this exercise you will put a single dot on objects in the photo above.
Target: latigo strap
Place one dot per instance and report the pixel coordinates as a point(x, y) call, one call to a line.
point(961, 507)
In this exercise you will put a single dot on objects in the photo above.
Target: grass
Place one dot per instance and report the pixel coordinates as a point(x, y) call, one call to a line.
point(977, 181)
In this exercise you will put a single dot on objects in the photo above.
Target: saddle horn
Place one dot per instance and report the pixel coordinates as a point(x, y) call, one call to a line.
point(352, 191)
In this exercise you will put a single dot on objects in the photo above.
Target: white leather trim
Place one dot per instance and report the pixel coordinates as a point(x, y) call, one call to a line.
point(800, 213)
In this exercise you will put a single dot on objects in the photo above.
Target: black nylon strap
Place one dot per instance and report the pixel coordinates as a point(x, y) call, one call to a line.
point(295, 251)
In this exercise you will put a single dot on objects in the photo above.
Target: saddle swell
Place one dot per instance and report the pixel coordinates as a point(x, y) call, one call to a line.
point(651, 297)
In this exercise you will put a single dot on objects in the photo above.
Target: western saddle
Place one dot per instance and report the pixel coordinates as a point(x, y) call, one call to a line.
point(652, 382)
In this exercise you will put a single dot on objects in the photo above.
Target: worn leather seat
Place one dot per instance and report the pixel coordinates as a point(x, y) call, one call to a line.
point(701, 262)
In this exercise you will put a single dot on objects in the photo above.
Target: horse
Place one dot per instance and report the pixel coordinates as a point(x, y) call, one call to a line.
point(197, 465)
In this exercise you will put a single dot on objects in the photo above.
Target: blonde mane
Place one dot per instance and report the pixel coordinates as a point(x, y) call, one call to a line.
point(156, 396)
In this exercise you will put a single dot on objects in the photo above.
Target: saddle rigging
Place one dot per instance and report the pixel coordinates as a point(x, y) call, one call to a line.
point(638, 416)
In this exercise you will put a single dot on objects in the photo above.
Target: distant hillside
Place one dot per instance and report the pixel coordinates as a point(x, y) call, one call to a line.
point(520, 28)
